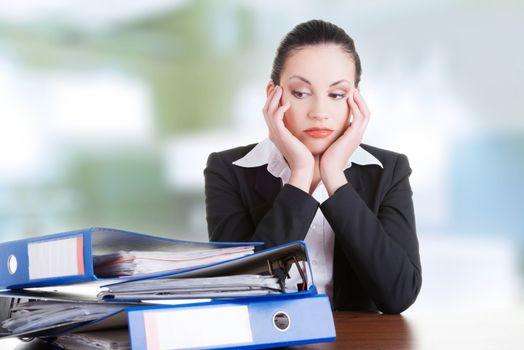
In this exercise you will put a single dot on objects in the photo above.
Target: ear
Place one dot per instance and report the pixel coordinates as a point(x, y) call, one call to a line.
point(269, 87)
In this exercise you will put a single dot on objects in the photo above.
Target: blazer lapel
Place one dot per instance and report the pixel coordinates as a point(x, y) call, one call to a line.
point(266, 185)
point(353, 175)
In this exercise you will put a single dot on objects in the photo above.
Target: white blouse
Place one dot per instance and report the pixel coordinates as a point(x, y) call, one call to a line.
point(320, 238)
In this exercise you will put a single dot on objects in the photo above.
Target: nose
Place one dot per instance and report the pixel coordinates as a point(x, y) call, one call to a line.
point(318, 109)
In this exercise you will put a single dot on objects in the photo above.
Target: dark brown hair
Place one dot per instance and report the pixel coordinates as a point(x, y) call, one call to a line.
point(314, 32)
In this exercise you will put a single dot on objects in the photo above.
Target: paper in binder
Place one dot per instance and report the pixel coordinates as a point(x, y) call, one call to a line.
point(94, 253)
point(113, 339)
point(264, 273)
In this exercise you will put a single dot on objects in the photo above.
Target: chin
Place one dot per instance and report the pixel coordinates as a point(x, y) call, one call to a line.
point(318, 148)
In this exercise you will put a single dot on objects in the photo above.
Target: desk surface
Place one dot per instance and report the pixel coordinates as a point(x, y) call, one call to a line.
point(368, 331)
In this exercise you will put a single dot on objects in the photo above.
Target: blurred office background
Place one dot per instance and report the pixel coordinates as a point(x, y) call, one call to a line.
point(108, 110)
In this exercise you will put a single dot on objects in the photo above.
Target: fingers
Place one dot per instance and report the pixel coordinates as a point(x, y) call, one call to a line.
point(275, 100)
point(282, 109)
point(274, 113)
point(360, 111)
point(268, 101)
point(272, 108)
point(354, 109)
point(265, 110)
point(362, 105)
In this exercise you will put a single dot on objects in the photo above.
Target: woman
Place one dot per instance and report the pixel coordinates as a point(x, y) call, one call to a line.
point(313, 180)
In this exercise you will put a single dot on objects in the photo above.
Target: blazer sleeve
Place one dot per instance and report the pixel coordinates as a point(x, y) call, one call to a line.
point(228, 216)
point(382, 249)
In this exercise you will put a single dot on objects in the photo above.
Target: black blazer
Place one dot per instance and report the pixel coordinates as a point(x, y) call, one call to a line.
point(376, 258)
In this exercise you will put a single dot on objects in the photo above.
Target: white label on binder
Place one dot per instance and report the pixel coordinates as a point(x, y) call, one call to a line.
point(196, 327)
point(56, 258)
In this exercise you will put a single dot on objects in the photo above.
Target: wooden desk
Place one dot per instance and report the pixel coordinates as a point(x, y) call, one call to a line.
point(367, 331)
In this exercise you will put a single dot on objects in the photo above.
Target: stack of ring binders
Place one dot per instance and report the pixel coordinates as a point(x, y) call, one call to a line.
point(242, 299)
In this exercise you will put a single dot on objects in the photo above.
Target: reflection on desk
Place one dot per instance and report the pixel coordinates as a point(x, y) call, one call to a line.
point(357, 330)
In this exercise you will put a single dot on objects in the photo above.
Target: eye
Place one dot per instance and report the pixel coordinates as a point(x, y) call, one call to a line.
point(299, 94)
point(337, 96)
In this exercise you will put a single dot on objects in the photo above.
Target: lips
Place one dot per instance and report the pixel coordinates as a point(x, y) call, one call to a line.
point(318, 133)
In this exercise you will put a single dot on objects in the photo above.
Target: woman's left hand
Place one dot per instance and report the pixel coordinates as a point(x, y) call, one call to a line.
point(334, 159)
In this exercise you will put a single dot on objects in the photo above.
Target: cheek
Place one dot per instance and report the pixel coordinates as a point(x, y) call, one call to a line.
point(341, 114)
point(289, 118)
point(293, 122)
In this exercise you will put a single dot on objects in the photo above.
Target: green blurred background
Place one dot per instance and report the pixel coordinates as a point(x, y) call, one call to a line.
point(108, 110)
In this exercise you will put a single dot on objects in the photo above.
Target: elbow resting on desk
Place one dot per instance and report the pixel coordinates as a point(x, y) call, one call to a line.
point(402, 298)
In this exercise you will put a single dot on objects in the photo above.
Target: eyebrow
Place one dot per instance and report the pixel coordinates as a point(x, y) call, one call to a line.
point(308, 82)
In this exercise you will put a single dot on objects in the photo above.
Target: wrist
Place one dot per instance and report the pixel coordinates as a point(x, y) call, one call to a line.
point(334, 181)
point(301, 178)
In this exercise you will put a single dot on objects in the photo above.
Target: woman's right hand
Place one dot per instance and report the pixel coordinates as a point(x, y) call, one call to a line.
point(298, 156)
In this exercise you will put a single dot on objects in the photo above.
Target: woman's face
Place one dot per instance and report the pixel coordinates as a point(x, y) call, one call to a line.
point(317, 81)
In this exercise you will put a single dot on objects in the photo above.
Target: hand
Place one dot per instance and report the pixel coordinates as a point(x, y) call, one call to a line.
point(298, 156)
point(334, 159)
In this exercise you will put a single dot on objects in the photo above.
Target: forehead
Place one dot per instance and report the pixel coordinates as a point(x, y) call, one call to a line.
point(324, 63)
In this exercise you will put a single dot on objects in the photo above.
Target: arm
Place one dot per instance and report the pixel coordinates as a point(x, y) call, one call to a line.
point(288, 218)
point(383, 248)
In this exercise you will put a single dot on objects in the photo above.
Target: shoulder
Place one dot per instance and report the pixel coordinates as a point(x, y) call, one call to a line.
point(223, 160)
point(381, 153)
point(390, 160)
point(220, 166)
point(232, 154)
